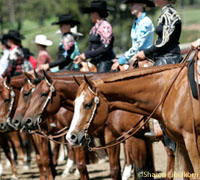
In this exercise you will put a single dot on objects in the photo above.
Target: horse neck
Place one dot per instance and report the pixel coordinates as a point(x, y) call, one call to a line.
point(67, 90)
point(138, 94)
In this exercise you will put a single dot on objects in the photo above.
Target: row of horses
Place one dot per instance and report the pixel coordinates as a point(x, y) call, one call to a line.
point(107, 106)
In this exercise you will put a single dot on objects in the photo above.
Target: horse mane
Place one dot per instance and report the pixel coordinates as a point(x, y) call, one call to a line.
point(140, 72)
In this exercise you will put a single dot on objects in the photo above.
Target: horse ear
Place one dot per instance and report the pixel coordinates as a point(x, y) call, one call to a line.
point(89, 82)
point(48, 78)
point(77, 80)
point(7, 81)
point(28, 76)
point(36, 74)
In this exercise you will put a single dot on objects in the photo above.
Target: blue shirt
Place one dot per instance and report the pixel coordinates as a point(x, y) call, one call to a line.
point(142, 35)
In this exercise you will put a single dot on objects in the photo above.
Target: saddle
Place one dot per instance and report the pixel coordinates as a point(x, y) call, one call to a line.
point(86, 66)
point(194, 76)
point(137, 64)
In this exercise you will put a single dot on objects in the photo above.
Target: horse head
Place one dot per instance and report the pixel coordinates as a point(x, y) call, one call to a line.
point(42, 101)
point(26, 91)
point(7, 103)
point(88, 107)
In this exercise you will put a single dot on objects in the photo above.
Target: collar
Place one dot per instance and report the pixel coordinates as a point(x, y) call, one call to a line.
point(140, 18)
point(166, 7)
point(13, 47)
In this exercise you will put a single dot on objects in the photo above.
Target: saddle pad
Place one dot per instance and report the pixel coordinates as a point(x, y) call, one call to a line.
point(193, 84)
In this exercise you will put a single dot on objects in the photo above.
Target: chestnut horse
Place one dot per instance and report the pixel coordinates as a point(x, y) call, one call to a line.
point(61, 118)
point(165, 87)
point(64, 90)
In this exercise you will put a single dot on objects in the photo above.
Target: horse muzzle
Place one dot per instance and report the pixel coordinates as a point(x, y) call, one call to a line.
point(76, 139)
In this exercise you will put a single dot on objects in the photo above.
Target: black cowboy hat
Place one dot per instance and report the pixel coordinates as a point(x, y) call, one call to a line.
point(99, 6)
point(27, 52)
point(147, 2)
point(14, 34)
point(66, 19)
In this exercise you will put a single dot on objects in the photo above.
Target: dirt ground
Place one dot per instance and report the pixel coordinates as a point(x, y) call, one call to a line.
point(98, 171)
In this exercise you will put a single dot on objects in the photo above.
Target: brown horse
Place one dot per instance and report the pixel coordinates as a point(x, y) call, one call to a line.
point(143, 90)
point(64, 90)
point(61, 118)
point(8, 103)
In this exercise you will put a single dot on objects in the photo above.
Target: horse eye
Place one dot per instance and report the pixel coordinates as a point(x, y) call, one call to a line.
point(88, 105)
point(44, 94)
point(6, 100)
point(27, 93)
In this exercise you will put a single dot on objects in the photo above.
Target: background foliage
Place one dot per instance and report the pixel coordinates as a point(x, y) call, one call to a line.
point(33, 17)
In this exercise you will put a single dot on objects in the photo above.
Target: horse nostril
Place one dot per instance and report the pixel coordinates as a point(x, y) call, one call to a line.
point(28, 122)
point(73, 138)
point(1, 125)
point(16, 122)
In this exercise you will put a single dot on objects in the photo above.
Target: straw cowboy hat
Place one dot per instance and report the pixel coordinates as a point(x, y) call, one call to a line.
point(42, 40)
point(99, 6)
point(66, 19)
point(73, 30)
point(149, 3)
point(14, 34)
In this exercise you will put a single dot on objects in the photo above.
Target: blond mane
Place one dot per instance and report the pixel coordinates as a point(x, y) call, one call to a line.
point(140, 72)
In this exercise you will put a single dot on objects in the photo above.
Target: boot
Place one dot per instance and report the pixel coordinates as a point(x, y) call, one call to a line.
point(156, 133)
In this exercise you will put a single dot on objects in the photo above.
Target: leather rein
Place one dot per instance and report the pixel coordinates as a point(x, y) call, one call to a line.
point(140, 123)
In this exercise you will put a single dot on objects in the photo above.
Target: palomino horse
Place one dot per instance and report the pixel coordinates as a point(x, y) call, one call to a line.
point(64, 92)
point(163, 90)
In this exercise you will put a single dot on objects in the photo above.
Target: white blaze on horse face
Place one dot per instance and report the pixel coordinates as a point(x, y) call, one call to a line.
point(77, 114)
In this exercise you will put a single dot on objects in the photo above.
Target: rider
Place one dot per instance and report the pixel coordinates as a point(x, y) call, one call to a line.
point(67, 45)
point(166, 49)
point(16, 56)
point(101, 37)
point(142, 32)
point(4, 57)
point(43, 56)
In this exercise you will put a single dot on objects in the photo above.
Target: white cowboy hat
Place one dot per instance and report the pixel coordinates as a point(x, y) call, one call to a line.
point(72, 30)
point(42, 40)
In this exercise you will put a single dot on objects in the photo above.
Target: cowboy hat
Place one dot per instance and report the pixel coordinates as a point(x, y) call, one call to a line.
point(66, 19)
point(99, 6)
point(14, 34)
point(147, 2)
point(72, 30)
point(42, 40)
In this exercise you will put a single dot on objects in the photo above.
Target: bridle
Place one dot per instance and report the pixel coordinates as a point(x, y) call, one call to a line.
point(96, 103)
point(12, 95)
point(41, 133)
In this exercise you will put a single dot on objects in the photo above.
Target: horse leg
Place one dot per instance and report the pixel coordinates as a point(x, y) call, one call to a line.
point(81, 163)
point(15, 138)
point(6, 149)
point(56, 153)
point(192, 151)
point(26, 141)
point(127, 165)
point(113, 155)
point(142, 156)
point(36, 146)
point(170, 163)
point(70, 161)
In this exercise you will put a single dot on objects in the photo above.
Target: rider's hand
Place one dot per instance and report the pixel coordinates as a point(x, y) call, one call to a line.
point(44, 67)
point(194, 44)
point(140, 55)
point(77, 59)
point(115, 64)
